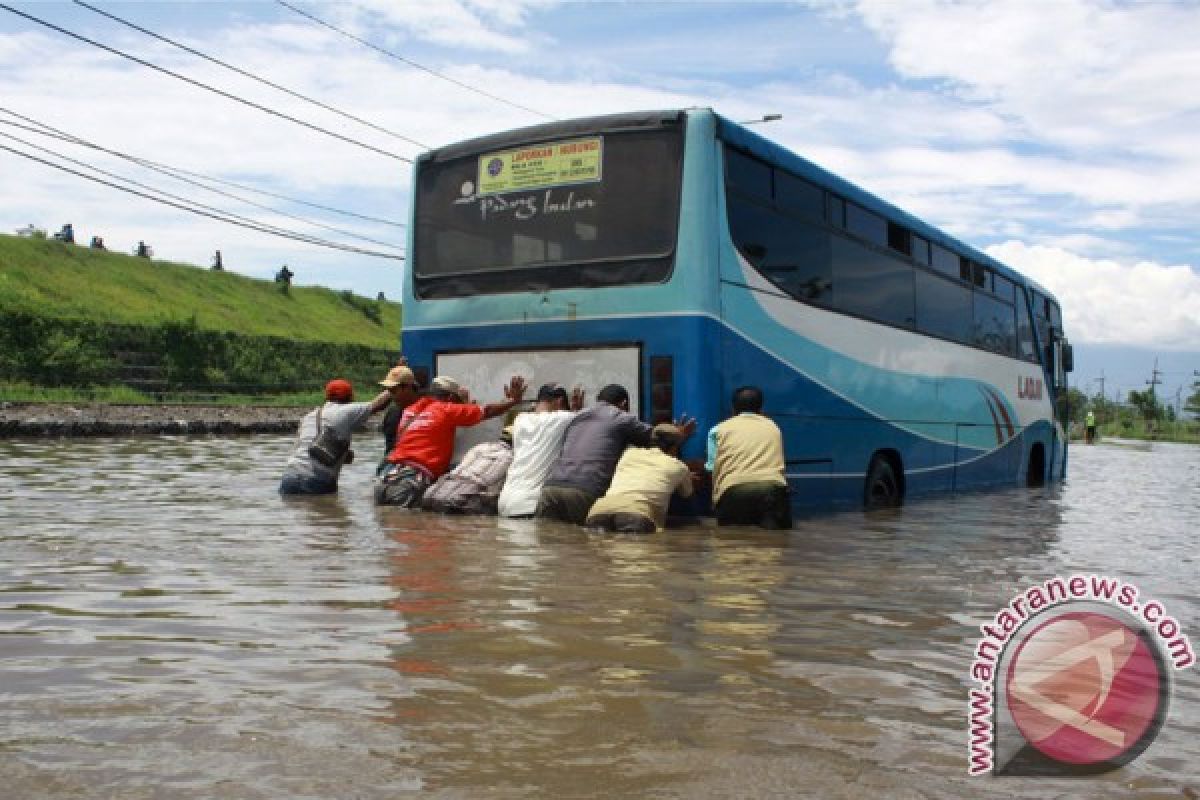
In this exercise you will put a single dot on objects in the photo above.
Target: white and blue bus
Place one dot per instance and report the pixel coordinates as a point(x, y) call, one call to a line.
point(683, 255)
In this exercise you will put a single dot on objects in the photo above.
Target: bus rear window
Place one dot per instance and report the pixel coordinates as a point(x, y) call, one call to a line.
point(476, 233)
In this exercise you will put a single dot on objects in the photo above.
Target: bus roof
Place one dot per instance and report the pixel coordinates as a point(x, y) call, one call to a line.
point(555, 130)
point(741, 137)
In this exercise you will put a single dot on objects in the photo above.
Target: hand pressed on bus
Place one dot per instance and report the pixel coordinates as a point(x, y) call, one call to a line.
point(513, 394)
point(686, 425)
point(515, 390)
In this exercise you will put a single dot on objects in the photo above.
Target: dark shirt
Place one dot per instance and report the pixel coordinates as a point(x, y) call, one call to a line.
point(592, 446)
point(391, 421)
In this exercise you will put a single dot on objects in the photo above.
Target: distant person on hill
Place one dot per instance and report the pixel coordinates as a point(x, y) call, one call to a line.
point(143, 250)
point(217, 264)
point(323, 443)
point(284, 278)
point(67, 234)
point(97, 243)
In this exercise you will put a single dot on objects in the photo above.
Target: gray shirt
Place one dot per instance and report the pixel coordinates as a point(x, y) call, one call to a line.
point(345, 418)
point(592, 446)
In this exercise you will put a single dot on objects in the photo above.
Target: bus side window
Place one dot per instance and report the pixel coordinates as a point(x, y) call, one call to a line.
point(920, 250)
point(899, 239)
point(995, 325)
point(866, 224)
point(798, 196)
point(747, 175)
point(943, 307)
point(792, 254)
point(945, 261)
point(835, 208)
point(1025, 345)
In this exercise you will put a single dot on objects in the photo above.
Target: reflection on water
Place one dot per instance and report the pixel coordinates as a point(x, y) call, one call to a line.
point(171, 627)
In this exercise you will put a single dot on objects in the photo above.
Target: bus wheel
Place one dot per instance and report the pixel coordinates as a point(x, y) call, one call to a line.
point(1035, 475)
point(883, 488)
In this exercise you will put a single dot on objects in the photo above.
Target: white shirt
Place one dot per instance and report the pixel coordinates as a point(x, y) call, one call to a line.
point(537, 439)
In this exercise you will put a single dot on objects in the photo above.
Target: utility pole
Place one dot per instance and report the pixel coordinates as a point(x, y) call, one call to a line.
point(1154, 381)
point(1101, 380)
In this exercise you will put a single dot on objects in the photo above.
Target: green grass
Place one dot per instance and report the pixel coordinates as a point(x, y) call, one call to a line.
point(123, 395)
point(1184, 431)
point(52, 279)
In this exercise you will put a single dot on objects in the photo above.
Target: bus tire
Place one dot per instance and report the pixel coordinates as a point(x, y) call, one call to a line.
point(883, 487)
point(1035, 473)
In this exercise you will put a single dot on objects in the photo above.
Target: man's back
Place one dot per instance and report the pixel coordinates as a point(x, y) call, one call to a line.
point(428, 433)
point(344, 417)
point(592, 445)
point(643, 483)
point(749, 449)
point(537, 440)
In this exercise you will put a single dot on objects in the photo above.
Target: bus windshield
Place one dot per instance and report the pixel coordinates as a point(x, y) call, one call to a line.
point(588, 210)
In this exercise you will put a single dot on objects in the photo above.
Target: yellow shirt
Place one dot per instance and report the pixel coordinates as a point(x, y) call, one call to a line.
point(645, 479)
point(749, 449)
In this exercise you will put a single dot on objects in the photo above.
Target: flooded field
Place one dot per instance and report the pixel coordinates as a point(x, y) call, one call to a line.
point(170, 627)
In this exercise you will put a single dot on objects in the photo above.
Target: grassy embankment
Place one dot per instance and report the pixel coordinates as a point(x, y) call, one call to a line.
point(68, 313)
point(1185, 431)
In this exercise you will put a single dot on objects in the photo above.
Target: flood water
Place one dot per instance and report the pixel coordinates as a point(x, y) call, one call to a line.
point(170, 627)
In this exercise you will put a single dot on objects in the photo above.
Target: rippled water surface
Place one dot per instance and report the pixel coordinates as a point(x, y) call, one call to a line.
point(171, 627)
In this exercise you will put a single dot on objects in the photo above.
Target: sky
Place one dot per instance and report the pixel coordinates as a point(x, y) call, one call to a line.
point(1059, 136)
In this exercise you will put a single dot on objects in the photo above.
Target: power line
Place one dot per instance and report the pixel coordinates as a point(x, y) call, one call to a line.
point(227, 215)
point(76, 140)
point(205, 86)
point(56, 133)
point(250, 75)
point(410, 62)
point(221, 217)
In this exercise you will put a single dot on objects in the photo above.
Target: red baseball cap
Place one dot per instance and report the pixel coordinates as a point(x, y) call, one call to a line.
point(339, 391)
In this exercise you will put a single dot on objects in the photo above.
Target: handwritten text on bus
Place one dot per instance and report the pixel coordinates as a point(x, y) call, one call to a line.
point(531, 205)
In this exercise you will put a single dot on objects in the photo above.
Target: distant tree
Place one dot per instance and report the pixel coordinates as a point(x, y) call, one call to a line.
point(1146, 403)
point(1105, 409)
point(1077, 403)
point(1192, 405)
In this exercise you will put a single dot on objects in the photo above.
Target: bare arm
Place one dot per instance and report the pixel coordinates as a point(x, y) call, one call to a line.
point(381, 401)
point(513, 393)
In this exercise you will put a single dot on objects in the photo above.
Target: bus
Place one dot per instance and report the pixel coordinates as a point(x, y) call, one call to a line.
point(683, 255)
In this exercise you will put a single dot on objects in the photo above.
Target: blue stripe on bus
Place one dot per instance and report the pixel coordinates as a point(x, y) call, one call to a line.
point(819, 424)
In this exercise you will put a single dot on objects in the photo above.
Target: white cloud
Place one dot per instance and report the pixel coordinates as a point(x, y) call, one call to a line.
point(1083, 73)
point(1107, 302)
point(473, 24)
